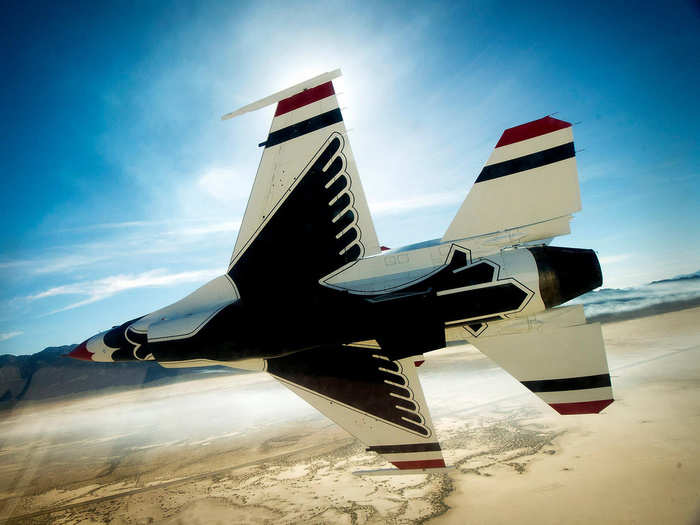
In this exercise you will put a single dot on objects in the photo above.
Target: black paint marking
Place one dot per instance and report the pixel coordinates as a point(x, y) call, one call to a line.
point(125, 343)
point(477, 274)
point(476, 329)
point(298, 245)
point(571, 383)
point(402, 449)
point(481, 302)
point(302, 128)
point(528, 162)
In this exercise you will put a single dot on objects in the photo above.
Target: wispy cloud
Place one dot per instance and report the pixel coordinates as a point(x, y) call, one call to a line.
point(167, 224)
point(414, 203)
point(63, 263)
point(99, 289)
point(613, 259)
point(143, 239)
point(114, 225)
point(17, 263)
point(214, 227)
point(54, 264)
point(9, 335)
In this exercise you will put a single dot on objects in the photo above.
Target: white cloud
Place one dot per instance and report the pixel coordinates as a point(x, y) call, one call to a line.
point(9, 335)
point(99, 289)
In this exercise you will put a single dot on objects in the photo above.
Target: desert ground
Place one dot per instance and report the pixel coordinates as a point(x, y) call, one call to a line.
point(243, 449)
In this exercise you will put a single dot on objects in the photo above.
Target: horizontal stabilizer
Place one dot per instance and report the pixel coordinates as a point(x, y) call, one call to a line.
point(555, 355)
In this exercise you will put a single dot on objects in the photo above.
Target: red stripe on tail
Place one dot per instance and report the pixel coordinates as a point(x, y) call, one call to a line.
point(420, 463)
point(582, 407)
point(308, 96)
point(531, 129)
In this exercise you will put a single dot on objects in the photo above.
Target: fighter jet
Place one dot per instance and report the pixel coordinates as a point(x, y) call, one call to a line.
point(311, 298)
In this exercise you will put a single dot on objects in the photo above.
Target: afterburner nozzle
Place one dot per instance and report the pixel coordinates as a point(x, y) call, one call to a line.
point(566, 273)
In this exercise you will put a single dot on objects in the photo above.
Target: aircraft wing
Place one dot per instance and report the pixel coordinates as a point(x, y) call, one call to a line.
point(377, 400)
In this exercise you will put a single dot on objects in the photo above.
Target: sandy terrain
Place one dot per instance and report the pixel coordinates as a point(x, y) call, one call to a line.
point(245, 450)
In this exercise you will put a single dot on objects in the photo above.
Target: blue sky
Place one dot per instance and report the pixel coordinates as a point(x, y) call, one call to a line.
point(122, 190)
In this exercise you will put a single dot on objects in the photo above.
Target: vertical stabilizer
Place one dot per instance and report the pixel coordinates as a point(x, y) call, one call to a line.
point(530, 179)
point(307, 200)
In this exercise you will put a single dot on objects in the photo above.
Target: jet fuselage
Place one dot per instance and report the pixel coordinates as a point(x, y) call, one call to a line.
point(384, 298)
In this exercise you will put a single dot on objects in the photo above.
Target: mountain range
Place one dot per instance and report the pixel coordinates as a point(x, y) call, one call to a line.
point(47, 374)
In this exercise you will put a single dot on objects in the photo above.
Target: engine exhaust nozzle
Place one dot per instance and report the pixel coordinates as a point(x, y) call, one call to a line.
point(566, 273)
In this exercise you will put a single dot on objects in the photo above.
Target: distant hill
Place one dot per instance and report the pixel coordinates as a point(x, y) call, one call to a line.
point(687, 277)
point(47, 375)
point(656, 297)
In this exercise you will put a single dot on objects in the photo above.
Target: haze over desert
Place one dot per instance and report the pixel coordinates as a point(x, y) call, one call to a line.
point(243, 449)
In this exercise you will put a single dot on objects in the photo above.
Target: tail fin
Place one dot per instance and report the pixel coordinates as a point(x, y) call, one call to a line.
point(307, 214)
point(529, 183)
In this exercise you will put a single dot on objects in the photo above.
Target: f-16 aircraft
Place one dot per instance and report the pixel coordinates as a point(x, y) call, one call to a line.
point(311, 298)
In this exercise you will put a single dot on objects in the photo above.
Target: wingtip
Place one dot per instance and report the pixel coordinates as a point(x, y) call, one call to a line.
point(581, 407)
